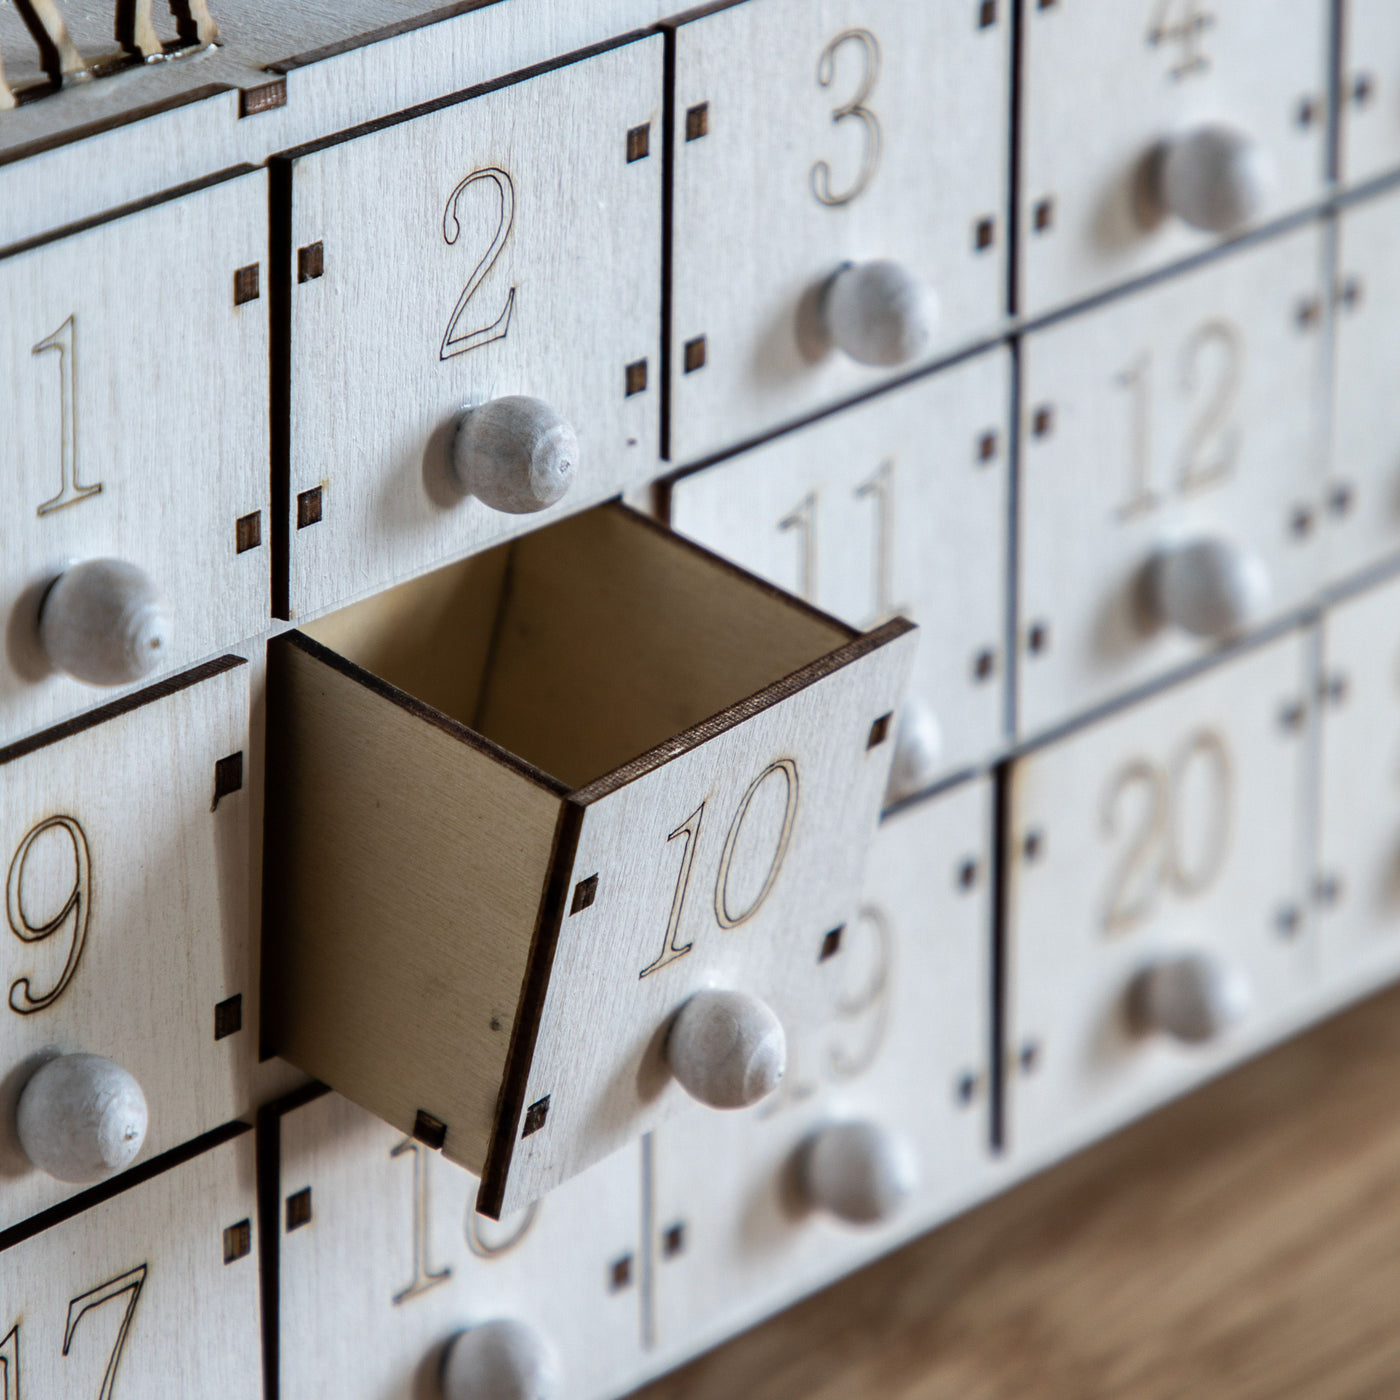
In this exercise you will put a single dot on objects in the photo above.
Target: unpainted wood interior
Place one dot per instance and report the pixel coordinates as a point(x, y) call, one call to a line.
point(583, 645)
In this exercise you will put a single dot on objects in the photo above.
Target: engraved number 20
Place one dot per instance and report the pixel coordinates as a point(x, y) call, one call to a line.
point(728, 914)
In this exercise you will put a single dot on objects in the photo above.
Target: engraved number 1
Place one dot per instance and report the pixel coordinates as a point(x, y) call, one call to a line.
point(71, 490)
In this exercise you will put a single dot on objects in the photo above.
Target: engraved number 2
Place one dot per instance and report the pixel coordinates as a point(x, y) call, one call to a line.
point(856, 110)
point(75, 905)
point(455, 340)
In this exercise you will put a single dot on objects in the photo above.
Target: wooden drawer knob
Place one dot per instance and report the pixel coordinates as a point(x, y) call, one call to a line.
point(1214, 178)
point(1194, 998)
point(879, 313)
point(860, 1172)
point(1208, 587)
point(500, 1360)
point(727, 1049)
point(918, 751)
point(81, 1118)
point(516, 454)
point(104, 622)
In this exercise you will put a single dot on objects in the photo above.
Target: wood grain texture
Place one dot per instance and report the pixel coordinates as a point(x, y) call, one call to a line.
point(490, 263)
point(841, 512)
point(155, 1287)
point(1089, 124)
point(120, 819)
point(1174, 826)
point(1193, 408)
point(395, 1256)
point(911, 181)
point(153, 387)
point(1241, 1244)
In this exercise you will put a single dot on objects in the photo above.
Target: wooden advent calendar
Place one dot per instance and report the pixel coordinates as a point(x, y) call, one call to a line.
point(647, 652)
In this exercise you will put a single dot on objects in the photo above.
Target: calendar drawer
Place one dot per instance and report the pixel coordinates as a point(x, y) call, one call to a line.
point(1357, 891)
point(475, 347)
point(154, 1286)
point(126, 969)
point(381, 1241)
point(856, 151)
point(1171, 476)
point(1152, 129)
point(896, 506)
point(513, 939)
point(135, 538)
point(1157, 924)
point(881, 1127)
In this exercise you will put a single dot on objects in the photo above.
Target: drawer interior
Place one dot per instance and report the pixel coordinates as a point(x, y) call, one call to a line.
point(583, 645)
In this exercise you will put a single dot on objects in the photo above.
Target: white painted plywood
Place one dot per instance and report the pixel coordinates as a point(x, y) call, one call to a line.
point(1369, 98)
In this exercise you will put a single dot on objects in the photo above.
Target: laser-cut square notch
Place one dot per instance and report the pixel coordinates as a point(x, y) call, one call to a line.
point(636, 377)
point(299, 1209)
point(697, 121)
point(535, 1116)
point(695, 354)
point(984, 234)
point(311, 262)
point(987, 14)
point(238, 1241)
point(831, 943)
point(673, 1241)
point(585, 892)
point(246, 284)
point(430, 1131)
point(879, 731)
point(1043, 216)
point(228, 1016)
point(1043, 421)
point(620, 1274)
point(247, 532)
point(228, 777)
point(639, 143)
point(309, 508)
point(988, 445)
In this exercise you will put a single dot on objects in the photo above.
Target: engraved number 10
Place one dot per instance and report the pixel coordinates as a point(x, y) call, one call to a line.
point(727, 915)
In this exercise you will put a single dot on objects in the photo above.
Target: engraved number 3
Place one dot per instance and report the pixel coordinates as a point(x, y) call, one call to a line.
point(456, 341)
point(869, 47)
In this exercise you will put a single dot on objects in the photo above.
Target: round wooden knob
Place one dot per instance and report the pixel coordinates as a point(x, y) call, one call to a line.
point(1192, 997)
point(1208, 587)
point(918, 751)
point(859, 1172)
point(516, 454)
point(104, 622)
point(727, 1049)
point(1213, 178)
point(81, 1118)
point(879, 313)
point(500, 1360)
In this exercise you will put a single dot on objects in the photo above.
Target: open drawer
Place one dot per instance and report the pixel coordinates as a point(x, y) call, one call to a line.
point(522, 809)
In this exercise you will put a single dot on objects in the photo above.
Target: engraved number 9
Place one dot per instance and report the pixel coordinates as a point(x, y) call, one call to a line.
point(74, 906)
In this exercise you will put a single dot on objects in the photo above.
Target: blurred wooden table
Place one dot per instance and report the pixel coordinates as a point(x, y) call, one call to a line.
point(1242, 1244)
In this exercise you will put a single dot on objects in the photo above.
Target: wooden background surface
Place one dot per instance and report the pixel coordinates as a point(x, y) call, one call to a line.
point(1243, 1244)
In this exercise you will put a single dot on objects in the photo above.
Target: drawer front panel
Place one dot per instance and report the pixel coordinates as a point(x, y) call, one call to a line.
point(901, 1040)
point(154, 1288)
point(138, 350)
point(125, 848)
point(1172, 828)
point(505, 250)
point(1109, 81)
point(381, 1243)
point(1185, 414)
point(842, 513)
point(1358, 895)
point(812, 136)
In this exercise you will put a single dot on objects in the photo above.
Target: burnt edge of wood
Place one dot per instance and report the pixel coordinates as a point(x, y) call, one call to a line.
point(452, 99)
point(529, 1013)
point(455, 728)
point(116, 1185)
point(268, 1175)
point(723, 565)
point(91, 718)
point(139, 206)
point(279, 368)
point(112, 123)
